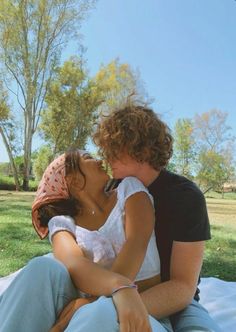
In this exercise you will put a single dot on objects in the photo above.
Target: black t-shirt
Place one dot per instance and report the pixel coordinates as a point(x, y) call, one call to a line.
point(181, 215)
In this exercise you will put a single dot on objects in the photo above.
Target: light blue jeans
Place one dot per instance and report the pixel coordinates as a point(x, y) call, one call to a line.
point(35, 298)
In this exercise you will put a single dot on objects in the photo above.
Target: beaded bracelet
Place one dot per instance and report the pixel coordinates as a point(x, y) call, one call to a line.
point(115, 290)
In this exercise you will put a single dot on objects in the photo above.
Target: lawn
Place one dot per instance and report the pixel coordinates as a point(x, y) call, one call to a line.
point(19, 242)
point(220, 254)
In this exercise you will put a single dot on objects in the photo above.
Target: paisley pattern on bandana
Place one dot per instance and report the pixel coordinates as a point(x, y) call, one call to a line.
point(52, 187)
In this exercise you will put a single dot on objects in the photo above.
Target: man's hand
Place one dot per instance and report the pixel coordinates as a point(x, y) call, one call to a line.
point(132, 314)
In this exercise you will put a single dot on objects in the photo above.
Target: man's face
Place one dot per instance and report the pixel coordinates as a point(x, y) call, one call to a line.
point(125, 166)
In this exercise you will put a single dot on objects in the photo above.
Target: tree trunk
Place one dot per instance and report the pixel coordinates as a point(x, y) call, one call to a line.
point(28, 133)
point(13, 165)
point(27, 150)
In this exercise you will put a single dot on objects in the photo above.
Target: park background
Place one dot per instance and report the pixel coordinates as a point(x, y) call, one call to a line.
point(177, 56)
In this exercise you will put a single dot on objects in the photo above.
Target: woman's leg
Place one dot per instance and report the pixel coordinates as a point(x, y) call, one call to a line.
point(101, 316)
point(36, 296)
point(195, 318)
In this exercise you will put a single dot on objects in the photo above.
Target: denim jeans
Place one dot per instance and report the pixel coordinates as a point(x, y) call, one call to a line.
point(39, 292)
point(195, 318)
point(36, 296)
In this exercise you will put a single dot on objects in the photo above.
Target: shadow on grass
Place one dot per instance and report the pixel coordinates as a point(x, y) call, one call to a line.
point(220, 254)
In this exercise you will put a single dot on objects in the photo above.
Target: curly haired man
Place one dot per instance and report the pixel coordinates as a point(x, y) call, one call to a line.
point(136, 142)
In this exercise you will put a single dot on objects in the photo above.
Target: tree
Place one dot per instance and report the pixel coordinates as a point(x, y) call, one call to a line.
point(72, 101)
point(42, 159)
point(184, 147)
point(215, 170)
point(116, 83)
point(8, 133)
point(216, 149)
point(212, 131)
point(32, 36)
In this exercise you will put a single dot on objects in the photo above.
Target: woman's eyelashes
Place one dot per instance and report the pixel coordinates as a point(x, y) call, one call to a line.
point(87, 156)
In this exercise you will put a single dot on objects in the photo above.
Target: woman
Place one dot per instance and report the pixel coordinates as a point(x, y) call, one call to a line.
point(84, 179)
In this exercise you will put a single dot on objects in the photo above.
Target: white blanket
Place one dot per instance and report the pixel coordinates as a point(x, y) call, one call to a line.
point(217, 296)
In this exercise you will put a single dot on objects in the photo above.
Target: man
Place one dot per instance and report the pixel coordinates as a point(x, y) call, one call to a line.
point(135, 142)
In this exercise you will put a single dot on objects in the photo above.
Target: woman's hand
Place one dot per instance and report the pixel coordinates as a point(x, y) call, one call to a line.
point(67, 314)
point(132, 314)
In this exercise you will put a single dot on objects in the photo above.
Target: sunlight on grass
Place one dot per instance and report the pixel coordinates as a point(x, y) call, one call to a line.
point(220, 253)
point(19, 242)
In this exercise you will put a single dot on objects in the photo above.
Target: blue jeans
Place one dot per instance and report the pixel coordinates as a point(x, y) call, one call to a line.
point(35, 298)
point(104, 319)
point(195, 318)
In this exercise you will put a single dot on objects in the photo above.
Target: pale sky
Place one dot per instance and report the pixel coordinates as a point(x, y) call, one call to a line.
point(185, 51)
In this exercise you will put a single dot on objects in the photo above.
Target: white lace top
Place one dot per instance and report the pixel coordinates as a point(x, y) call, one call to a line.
point(103, 245)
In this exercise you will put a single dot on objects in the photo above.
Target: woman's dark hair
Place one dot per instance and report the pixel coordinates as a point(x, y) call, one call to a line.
point(72, 162)
point(66, 207)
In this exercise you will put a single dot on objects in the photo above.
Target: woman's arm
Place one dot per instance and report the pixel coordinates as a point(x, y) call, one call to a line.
point(139, 224)
point(91, 278)
point(86, 275)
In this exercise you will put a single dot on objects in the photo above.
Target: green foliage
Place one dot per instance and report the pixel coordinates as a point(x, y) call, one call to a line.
point(41, 161)
point(72, 101)
point(204, 149)
point(8, 183)
point(4, 106)
point(117, 83)
point(212, 131)
point(32, 36)
point(214, 171)
point(4, 169)
point(184, 147)
point(171, 166)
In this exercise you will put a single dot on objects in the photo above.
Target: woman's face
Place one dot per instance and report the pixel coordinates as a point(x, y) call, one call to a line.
point(94, 173)
point(93, 168)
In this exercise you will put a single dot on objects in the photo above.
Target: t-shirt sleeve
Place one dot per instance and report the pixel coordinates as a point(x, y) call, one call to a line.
point(61, 223)
point(190, 215)
point(130, 186)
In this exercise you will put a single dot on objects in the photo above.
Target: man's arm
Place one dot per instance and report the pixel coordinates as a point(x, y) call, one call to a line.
point(171, 296)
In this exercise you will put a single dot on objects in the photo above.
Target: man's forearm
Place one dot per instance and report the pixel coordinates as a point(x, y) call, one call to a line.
point(167, 298)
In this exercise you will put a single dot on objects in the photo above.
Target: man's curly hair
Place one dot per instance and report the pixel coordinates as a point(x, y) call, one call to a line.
point(135, 130)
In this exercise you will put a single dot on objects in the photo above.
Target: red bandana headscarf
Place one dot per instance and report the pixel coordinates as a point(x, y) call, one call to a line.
point(52, 187)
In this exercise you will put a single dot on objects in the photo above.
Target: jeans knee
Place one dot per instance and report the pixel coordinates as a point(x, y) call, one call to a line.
point(196, 329)
point(47, 267)
point(103, 314)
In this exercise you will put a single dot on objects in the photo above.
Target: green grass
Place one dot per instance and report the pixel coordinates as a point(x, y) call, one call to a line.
point(19, 242)
point(220, 253)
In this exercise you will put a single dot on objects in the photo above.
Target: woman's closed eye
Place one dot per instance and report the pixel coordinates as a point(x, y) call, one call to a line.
point(87, 156)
